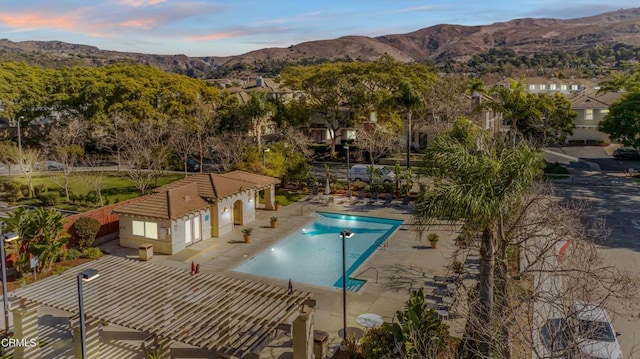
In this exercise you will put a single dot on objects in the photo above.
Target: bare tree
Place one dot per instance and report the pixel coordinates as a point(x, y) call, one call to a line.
point(27, 161)
point(67, 146)
point(182, 142)
point(230, 148)
point(375, 141)
point(548, 261)
point(296, 138)
point(145, 152)
point(94, 179)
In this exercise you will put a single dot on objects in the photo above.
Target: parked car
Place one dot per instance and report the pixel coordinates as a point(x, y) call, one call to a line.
point(593, 333)
point(361, 173)
point(626, 153)
point(48, 166)
point(193, 165)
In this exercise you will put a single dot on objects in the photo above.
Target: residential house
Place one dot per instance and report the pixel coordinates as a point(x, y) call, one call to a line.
point(591, 107)
point(195, 208)
point(553, 84)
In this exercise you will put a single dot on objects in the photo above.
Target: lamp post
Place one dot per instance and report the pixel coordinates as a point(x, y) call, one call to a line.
point(346, 233)
point(348, 172)
point(264, 156)
point(84, 276)
point(8, 237)
point(19, 134)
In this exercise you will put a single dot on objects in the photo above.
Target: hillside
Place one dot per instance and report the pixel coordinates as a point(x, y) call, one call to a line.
point(437, 44)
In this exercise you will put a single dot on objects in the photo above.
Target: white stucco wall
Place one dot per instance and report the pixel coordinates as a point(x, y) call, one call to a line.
point(171, 234)
point(223, 211)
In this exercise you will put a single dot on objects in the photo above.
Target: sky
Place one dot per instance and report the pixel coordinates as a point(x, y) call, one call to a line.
point(234, 27)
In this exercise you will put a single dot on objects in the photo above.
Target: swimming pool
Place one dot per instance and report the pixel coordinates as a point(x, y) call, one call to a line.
point(313, 254)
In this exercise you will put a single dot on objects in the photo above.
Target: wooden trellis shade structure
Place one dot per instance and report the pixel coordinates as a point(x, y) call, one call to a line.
point(209, 311)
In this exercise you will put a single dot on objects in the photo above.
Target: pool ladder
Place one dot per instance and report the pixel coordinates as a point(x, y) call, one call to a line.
point(361, 273)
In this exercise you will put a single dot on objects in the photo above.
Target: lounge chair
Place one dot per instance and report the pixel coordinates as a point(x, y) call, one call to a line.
point(374, 198)
point(360, 198)
point(388, 200)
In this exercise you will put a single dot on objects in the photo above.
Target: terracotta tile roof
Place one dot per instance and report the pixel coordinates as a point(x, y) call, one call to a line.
point(259, 180)
point(212, 186)
point(169, 204)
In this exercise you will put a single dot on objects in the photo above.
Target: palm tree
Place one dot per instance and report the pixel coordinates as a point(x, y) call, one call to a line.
point(479, 178)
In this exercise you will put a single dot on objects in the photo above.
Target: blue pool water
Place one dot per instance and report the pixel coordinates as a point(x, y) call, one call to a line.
point(313, 254)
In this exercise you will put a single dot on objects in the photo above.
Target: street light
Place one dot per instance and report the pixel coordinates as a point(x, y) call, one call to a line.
point(8, 237)
point(346, 233)
point(348, 172)
point(19, 134)
point(264, 156)
point(84, 276)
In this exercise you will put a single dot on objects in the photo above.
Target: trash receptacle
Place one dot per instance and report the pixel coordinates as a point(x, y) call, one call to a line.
point(320, 344)
point(145, 252)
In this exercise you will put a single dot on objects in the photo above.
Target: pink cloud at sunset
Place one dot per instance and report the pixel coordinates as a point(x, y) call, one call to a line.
point(141, 3)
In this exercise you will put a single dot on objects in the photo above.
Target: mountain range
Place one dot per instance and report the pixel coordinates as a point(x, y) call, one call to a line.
point(436, 44)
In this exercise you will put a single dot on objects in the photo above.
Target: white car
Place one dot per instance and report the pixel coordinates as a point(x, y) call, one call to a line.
point(593, 333)
point(48, 166)
point(361, 173)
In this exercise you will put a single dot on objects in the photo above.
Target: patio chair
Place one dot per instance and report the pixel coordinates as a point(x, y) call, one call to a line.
point(360, 198)
point(374, 198)
point(388, 200)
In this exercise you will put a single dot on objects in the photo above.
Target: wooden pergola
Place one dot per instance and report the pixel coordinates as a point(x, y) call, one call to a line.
point(214, 312)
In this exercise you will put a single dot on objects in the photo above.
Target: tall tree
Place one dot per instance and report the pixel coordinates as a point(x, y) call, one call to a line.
point(258, 111)
point(622, 123)
point(540, 118)
point(478, 177)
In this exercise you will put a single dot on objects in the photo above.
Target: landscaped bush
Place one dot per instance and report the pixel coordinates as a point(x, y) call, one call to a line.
point(72, 254)
point(39, 189)
point(24, 189)
point(86, 229)
point(555, 168)
point(359, 186)
point(49, 198)
point(92, 253)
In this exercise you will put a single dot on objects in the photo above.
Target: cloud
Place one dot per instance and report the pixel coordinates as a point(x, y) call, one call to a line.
point(141, 3)
point(26, 21)
point(229, 33)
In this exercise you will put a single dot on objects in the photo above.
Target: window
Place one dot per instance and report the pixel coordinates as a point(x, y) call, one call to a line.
point(145, 229)
point(552, 87)
point(574, 87)
point(605, 111)
point(563, 87)
point(588, 114)
point(543, 87)
point(532, 87)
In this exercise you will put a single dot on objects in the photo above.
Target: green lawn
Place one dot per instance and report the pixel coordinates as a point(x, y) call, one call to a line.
point(117, 187)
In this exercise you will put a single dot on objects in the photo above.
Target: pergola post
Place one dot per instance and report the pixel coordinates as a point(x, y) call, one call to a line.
point(92, 339)
point(25, 326)
point(302, 333)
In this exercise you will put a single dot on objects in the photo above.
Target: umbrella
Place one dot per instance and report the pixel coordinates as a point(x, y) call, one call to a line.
point(327, 189)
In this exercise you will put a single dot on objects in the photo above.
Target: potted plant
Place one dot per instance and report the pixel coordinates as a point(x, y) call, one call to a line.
point(246, 233)
point(276, 205)
point(274, 222)
point(457, 266)
point(433, 238)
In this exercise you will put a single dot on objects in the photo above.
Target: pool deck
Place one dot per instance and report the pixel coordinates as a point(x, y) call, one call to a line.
point(405, 263)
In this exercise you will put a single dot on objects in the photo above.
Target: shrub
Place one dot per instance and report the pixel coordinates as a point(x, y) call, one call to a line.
point(49, 198)
point(92, 253)
point(39, 189)
point(378, 343)
point(433, 237)
point(86, 229)
point(72, 254)
point(24, 189)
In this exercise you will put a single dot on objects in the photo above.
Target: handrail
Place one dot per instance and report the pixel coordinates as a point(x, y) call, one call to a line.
point(359, 274)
